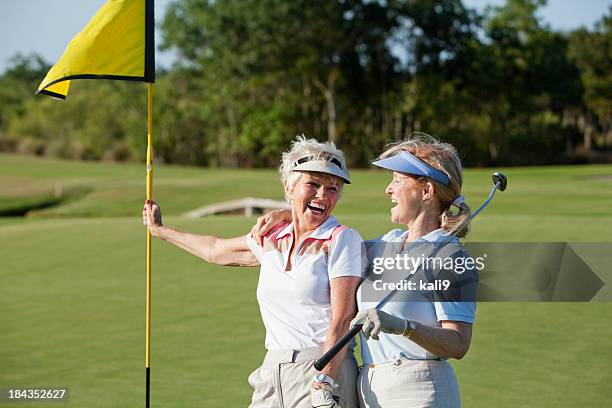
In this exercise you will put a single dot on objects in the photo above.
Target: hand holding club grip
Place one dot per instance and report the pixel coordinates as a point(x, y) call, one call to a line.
point(326, 358)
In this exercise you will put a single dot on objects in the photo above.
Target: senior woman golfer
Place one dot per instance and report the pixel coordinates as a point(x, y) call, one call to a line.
point(310, 271)
point(406, 344)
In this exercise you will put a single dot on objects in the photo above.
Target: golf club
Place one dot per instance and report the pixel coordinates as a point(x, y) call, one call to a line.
point(500, 182)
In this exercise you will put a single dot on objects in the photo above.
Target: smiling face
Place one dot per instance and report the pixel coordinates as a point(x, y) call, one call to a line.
point(409, 196)
point(313, 198)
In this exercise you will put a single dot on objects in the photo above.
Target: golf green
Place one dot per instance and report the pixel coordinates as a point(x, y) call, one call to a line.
point(73, 282)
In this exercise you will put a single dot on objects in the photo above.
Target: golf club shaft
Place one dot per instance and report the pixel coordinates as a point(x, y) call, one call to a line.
point(329, 354)
point(491, 194)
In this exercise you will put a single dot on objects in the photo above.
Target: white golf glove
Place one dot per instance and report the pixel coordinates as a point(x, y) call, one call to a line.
point(374, 321)
point(323, 397)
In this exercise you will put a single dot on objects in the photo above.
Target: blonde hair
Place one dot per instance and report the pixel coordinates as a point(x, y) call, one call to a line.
point(443, 157)
point(302, 147)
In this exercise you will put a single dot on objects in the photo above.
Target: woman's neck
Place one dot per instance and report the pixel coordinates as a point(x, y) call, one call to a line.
point(300, 230)
point(422, 225)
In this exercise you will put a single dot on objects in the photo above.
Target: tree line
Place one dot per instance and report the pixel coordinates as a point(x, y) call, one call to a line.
point(251, 74)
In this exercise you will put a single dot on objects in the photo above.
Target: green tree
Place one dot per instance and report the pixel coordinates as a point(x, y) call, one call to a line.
point(290, 62)
point(251, 74)
point(523, 83)
point(592, 52)
point(17, 85)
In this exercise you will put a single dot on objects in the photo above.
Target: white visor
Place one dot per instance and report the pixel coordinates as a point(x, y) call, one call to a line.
point(323, 164)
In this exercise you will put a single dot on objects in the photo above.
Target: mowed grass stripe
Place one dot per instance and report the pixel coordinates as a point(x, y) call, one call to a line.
point(117, 189)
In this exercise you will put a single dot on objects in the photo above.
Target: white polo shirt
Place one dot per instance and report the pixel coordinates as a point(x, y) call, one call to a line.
point(295, 304)
point(390, 347)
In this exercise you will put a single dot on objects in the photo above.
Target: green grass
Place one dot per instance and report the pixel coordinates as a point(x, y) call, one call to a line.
point(72, 287)
point(569, 195)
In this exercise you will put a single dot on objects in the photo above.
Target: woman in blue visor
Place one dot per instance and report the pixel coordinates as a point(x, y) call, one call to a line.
point(406, 343)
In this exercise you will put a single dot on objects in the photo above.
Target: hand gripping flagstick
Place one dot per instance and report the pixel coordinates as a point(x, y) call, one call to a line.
point(500, 182)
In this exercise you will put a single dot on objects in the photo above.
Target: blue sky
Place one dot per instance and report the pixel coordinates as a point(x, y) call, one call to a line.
point(47, 26)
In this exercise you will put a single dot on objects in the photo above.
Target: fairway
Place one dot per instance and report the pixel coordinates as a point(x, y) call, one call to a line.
point(72, 286)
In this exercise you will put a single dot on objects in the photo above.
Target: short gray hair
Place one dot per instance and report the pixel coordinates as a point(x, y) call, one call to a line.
point(302, 147)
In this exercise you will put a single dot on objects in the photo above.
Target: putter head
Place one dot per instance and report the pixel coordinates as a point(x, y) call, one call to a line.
point(500, 178)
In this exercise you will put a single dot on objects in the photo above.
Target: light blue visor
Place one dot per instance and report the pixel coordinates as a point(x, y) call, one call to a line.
point(405, 162)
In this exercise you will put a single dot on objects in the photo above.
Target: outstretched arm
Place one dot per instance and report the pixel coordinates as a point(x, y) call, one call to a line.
point(220, 251)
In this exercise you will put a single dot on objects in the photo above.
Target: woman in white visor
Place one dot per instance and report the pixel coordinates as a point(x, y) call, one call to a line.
point(310, 270)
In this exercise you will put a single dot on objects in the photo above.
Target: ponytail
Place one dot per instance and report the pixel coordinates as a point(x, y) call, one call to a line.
point(458, 222)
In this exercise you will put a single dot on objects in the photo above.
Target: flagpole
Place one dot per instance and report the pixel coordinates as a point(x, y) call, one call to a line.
point(109, 46)
point(149, 198)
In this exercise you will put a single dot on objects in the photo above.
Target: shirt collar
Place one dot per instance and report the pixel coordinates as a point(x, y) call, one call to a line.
point(323, 231)
point(435, 236)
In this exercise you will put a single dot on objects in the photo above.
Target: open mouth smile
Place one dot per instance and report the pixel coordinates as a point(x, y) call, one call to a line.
point(316, 207)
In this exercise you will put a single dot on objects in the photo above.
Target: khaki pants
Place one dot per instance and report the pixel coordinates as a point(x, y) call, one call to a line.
point(408, 384)
point(285, 378)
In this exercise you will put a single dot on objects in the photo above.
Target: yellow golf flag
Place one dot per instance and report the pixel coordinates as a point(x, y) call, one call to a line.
point(118, 43)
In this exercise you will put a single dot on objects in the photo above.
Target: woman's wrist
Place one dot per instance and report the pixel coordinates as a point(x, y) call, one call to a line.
point(325, 378)
point(159, 232)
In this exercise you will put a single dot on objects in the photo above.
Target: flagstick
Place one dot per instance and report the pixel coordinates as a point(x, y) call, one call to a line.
point(149, 197)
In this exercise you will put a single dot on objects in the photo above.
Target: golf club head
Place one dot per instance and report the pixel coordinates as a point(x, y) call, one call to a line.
point(500, 178)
